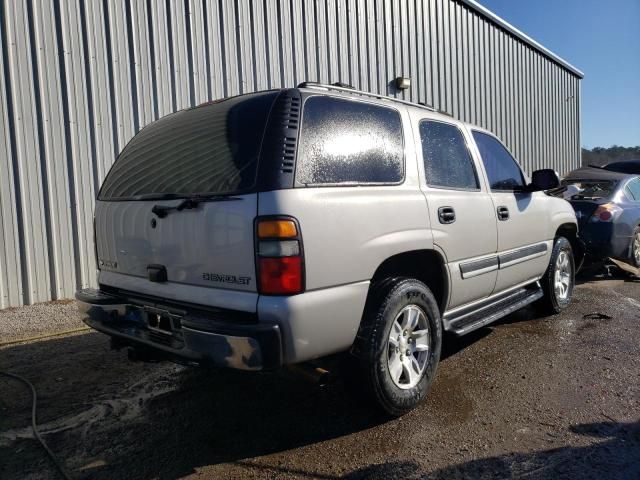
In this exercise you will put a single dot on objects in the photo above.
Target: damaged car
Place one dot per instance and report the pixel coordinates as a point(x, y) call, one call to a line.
point(607, 206)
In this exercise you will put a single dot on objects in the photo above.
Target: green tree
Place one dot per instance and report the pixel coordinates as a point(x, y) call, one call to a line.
point(615, 153)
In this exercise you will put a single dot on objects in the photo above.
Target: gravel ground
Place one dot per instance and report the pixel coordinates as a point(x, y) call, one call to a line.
point(528, 397)
point(40, 319)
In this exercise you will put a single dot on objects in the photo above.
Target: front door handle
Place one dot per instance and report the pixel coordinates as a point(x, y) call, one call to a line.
point(446, 215)
point(503, 213)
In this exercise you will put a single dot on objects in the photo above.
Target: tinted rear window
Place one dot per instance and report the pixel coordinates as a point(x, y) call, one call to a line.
point(349, 142)
point(210, 149)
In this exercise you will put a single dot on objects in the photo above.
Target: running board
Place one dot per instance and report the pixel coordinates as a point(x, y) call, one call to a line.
point(469, 319)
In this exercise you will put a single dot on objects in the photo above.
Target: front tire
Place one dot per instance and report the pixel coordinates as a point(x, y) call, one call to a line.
point(635, 247)
point(559, 279)
point(400, 343)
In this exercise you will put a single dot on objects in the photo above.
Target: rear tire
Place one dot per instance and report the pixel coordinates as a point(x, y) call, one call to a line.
point(399, 344)
point(559, 279)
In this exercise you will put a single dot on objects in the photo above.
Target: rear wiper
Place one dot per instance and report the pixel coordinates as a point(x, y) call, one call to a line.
point(190, 202)
point(155, 196)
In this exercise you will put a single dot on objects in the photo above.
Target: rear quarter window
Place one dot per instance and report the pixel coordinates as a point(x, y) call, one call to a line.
point(210, 149)
point(633, 190)
point(346, 142)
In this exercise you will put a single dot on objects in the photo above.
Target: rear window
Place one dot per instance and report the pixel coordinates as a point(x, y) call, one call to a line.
point(212, 149)
point(349, 142)
point(589, 189)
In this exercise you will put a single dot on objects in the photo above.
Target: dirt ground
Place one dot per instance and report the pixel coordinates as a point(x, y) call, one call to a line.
point(528, 397)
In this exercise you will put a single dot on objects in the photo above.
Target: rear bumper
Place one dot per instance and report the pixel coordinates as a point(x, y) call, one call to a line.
point(605, 240)
point(196, 338)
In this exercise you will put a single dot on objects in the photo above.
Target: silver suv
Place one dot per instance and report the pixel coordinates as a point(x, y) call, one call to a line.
point(278, 227)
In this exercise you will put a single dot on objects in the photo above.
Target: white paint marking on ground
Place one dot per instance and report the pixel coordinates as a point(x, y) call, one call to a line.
point(128, 407)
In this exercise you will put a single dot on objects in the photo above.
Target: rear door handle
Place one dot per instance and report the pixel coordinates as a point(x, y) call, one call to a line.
point(503, 213)
point(446, 215)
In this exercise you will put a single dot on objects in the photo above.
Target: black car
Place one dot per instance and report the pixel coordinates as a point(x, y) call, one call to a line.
point(607, 206)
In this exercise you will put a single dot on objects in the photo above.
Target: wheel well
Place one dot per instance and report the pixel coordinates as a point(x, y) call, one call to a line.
point(425, 265)
point(570, 232)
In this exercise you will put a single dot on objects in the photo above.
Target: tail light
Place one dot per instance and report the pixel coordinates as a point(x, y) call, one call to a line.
point(279, 256)
point(605, 213)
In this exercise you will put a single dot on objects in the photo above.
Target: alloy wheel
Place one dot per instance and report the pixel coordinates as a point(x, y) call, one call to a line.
point(636, 248)
point(408, 346)
point(562, 275)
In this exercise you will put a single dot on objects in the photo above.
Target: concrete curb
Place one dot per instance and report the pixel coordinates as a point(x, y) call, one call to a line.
point(45, 336)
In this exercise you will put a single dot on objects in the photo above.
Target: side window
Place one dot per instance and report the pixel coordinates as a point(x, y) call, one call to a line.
point(349, 142)
point(447, 162)
point(502, 170)
point(633, 189)
point(629, 193)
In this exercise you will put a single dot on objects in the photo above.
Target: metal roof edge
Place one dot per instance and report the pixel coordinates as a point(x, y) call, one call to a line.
point(522, 36)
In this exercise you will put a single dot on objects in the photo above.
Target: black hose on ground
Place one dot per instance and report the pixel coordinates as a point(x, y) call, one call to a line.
point(34, 425)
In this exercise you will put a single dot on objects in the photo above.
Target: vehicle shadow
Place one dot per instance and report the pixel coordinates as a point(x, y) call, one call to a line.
point(452, 344)
point(109, 418)
point(603, 273)
point(616, 457)
point(526, 314)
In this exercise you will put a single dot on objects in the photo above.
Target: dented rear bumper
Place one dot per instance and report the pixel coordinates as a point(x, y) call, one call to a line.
point(181, 335)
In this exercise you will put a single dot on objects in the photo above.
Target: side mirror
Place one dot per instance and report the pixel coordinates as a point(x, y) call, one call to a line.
point(545, 179)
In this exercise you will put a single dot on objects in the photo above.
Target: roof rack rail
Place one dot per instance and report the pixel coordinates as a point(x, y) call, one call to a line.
point(341, 87)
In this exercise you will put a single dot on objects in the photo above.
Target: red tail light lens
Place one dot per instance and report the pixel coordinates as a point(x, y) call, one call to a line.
point(279, 257)
point(605, 216)
point(280, 276)
point(605, 213)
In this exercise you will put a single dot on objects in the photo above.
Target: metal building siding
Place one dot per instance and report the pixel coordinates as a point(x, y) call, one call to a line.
point(80, 77)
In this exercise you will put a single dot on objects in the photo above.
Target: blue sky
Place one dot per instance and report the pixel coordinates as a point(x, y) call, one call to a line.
point(601, 38)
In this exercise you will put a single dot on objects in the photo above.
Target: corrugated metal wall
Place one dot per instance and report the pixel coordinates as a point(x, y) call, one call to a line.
point(80, 77)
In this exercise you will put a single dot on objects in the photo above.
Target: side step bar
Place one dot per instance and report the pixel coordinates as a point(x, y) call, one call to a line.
point(469, 319)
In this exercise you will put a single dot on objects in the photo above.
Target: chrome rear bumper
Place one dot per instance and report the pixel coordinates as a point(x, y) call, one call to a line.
point(182, 335)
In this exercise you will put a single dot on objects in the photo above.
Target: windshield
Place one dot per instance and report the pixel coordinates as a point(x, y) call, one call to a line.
point(589, 189)
point(211, 149)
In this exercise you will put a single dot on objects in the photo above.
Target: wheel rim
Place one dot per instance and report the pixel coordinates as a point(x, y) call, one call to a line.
point(563, 276)
point(636, 248)
point(408, 347)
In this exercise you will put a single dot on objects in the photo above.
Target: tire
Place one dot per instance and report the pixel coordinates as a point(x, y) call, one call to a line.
point(559, 279)
point(635, 247)
point(401, 314)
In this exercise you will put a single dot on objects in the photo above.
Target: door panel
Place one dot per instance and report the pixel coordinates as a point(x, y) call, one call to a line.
point(469, 242)
point(460, 209)
point(523, 246)
point(522, 218)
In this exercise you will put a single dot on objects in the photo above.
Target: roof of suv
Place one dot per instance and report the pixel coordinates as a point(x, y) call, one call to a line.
point(350, 92)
